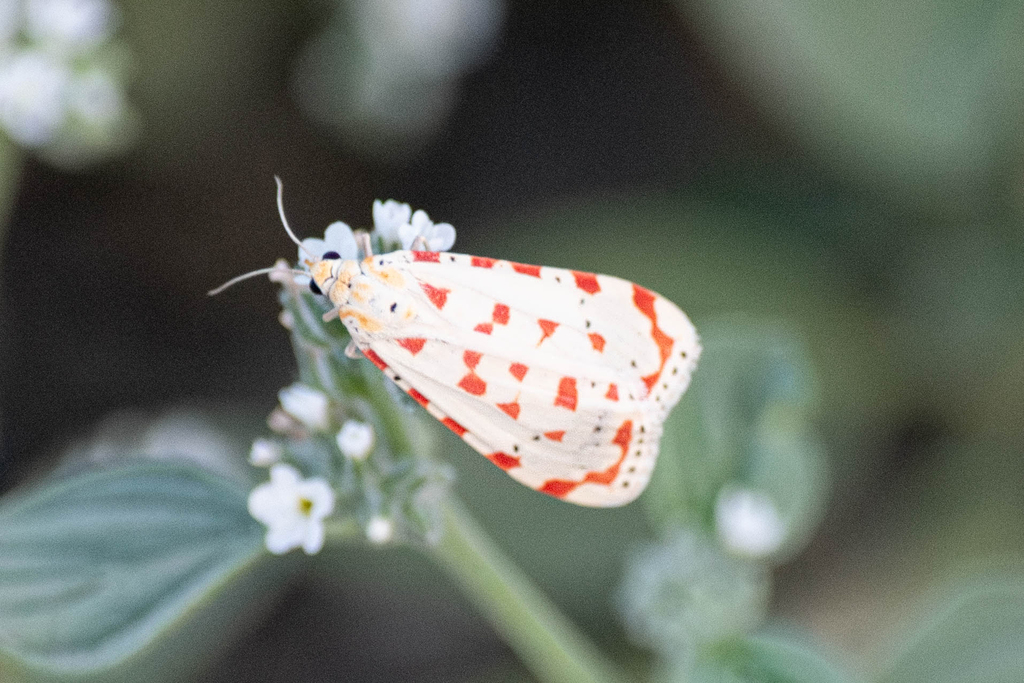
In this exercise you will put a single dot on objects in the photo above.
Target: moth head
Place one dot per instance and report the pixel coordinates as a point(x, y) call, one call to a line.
point(331, 275)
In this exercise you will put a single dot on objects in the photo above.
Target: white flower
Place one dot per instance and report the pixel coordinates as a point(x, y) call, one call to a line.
point(96, 97)
point(388, 217)
point(439, 237)
point(748, 522)
point(33, 97)
point(338, 237)
point(379, 530)
point(74, 24)
point(293, 509)
point(10, 19)
point(307, 405)
point(264, 452)
point(355, 440)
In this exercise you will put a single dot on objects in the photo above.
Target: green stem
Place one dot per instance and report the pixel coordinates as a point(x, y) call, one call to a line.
point(546, 641)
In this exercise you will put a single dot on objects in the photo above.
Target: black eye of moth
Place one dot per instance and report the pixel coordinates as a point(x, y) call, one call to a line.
point(313, 288)
point(331, 255)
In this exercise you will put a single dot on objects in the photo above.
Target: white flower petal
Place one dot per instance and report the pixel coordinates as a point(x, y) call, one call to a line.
point(388, 217)
point(307, 405)
point(281, 539)
point(406, 235)
point(320, 497)
point(70, 24)
point(355, 440)
point(338, 237)
point(442, 237)
point(314, 540)
point(33, 97)
point(293, 509)
point(311, 246)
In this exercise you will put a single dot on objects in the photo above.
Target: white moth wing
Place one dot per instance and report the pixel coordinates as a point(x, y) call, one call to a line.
point(559, 377)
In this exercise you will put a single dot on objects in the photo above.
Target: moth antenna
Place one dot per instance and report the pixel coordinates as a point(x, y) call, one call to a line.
point(284, 221)
point(363, 240)
point(246, 276)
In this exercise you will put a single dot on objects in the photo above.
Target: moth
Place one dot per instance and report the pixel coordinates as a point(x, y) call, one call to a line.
point(561, 378)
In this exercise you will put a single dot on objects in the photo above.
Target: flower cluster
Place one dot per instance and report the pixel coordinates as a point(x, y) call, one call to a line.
point(395, 225)
point(61, 78)
point(343, 456)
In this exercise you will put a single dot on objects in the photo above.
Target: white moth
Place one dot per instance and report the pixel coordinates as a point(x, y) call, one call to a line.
point(559, 377)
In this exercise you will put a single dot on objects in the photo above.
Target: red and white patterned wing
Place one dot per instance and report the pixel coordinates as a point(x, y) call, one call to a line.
point(561, 378)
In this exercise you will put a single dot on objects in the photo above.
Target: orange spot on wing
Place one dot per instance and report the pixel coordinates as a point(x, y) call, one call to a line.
point(503, 460)
point(471, 359)
point(472, 383)
point(413, 344)
point(597, 341)
point(500, 314)
point(567, 395)
point(622, 439)
point(643, 299)
point(547, 327)
point(558, 488)
point(511, 409)
point(374, 358)
point(486, 328)
point(482, 262)
point(613, 393)
point(454, 426)
point(418, 397)
point(518, 371)
point(555, 436)
point(562, 487)
point(525, 269)
point(587, 282)
point(428, 256)
point(437, 295)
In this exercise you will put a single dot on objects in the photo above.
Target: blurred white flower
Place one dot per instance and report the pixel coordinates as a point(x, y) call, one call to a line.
point(33, 97)
point(69, 24)
point(293, 509)
point(379, 530)
point(264, 452)
point(96, 97)
point(305, 404)
point(388, 217)
point(355, 440)
point(748, 523)
point(684, 592)
point(10, 19)
point(338, 237)
point(439, 237)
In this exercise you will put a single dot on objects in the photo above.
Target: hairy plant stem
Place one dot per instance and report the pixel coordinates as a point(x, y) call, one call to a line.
point(547, 642)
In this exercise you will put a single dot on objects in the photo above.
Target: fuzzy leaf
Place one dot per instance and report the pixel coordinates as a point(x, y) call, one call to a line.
point(96, 567)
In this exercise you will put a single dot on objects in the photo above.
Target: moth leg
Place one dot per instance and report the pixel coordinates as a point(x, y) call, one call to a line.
point(420, 244)
point(363, 240)
point(330, 315)
point(351, 350)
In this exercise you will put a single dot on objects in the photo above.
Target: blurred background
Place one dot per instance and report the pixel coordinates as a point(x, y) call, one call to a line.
point(850, 174)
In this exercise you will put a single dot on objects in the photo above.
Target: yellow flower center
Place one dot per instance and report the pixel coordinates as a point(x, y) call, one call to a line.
point(305, 506)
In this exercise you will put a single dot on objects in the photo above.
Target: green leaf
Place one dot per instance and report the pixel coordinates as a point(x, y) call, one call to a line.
point(763, 659)
point(95, 568)
point(746, 421)
point(977, 638)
